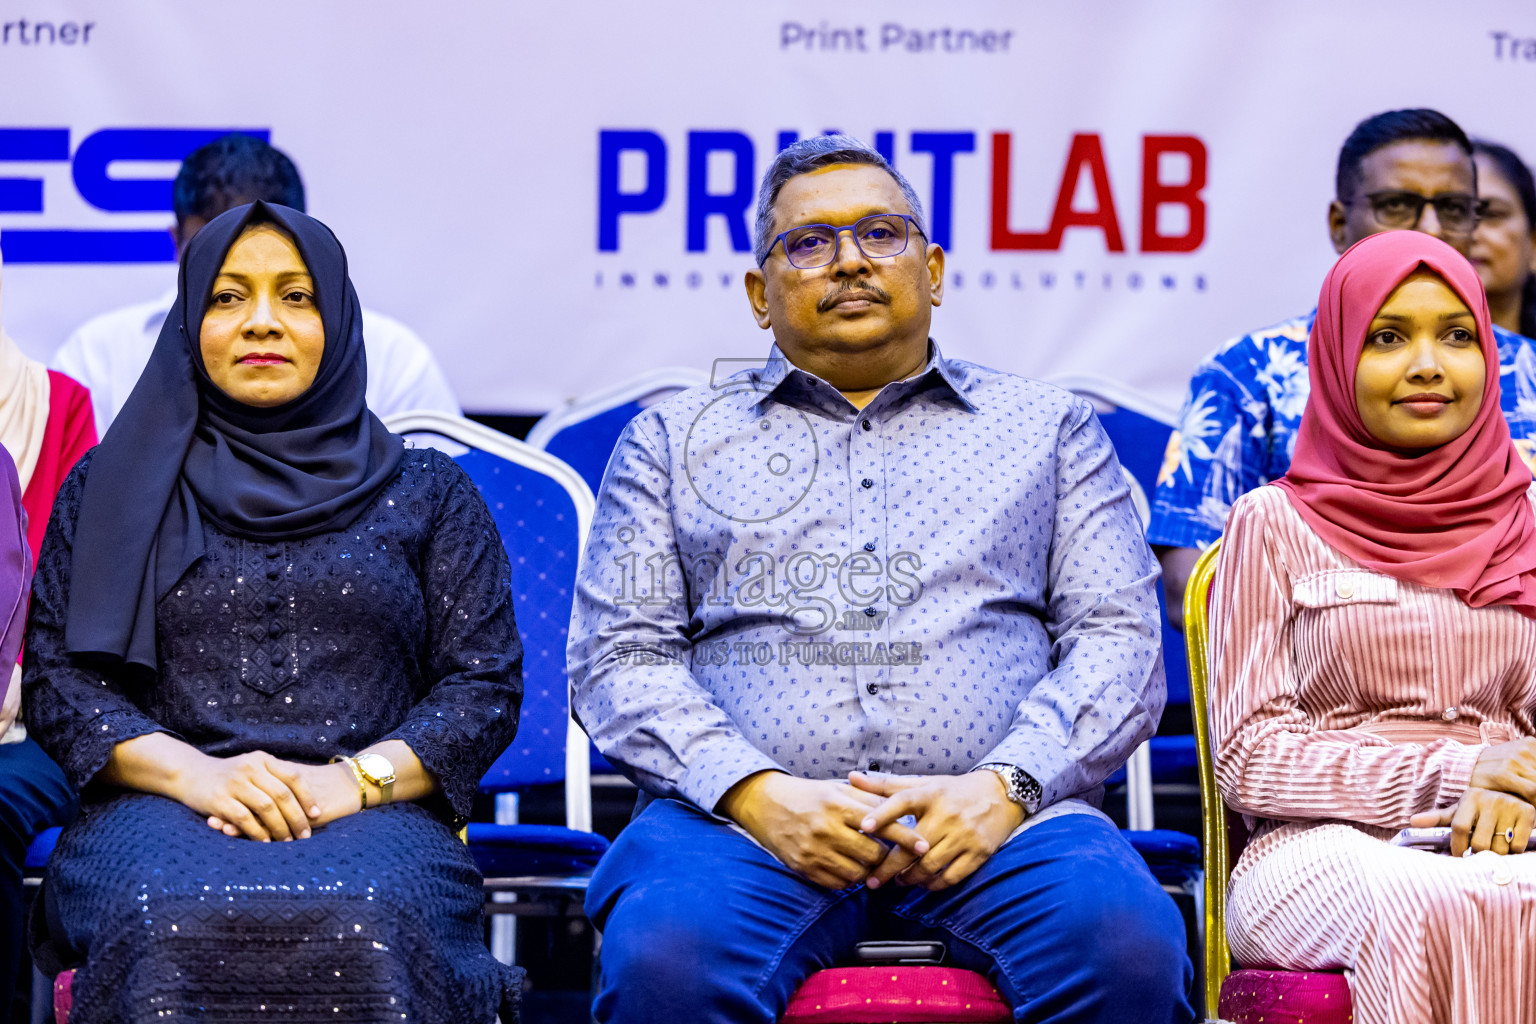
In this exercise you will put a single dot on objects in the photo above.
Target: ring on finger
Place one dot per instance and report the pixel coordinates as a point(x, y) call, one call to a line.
point(1509, 836)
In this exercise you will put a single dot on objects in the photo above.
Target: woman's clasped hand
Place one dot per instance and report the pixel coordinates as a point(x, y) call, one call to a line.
point(254, 794)
point(1498, 810)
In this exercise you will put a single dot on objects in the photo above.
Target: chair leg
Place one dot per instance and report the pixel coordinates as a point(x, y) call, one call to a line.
point(1199, 897)
point(504, 930)
point(42, 998)
point(597, 970)
point(1138, 789)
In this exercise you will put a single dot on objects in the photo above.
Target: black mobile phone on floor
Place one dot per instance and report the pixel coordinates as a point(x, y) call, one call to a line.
point(899, 952)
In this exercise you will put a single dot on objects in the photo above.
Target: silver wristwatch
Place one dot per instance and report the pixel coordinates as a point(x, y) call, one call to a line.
point(1021, 786)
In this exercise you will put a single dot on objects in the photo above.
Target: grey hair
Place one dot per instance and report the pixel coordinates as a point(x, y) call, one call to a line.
point(809, 154)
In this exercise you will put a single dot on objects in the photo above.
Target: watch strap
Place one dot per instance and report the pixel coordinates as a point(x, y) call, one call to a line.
point(357, 775)
point(385, 781)
point(1022, 788)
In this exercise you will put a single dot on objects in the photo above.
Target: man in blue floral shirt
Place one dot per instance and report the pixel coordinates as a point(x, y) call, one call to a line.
point(1402, 169)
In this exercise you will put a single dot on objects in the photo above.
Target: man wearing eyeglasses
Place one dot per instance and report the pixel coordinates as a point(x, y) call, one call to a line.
point(1404, 169)
point(869, 627)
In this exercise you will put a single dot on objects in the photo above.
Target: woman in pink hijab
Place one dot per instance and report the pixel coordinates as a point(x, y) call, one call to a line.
point(1373, 657)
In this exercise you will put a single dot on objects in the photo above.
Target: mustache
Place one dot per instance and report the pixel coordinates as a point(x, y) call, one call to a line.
point(864, 291)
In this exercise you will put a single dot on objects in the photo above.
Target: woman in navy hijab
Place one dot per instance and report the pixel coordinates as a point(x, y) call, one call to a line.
point(275, 652)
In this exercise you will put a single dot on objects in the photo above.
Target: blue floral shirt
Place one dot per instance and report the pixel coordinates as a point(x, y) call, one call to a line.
point(1238, 428)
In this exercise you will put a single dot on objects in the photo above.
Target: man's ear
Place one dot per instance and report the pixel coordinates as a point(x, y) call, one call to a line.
point(935, 274)
point(757, 297)
point(1338, 218)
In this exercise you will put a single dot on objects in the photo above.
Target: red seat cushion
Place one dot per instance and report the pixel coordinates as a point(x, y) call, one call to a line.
point(896, 995)
point(63, 997)
point(1285, 997)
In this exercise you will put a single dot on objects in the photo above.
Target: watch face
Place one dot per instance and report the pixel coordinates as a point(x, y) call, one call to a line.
point(376, 767)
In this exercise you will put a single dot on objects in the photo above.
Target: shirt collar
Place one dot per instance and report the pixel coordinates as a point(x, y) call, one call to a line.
point(778, 374)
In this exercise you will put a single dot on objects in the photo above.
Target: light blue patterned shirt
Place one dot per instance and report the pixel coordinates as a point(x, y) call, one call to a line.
point(1238, 428)
point(951, 576)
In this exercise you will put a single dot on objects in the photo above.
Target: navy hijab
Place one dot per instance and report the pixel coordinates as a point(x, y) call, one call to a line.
point(183, 451)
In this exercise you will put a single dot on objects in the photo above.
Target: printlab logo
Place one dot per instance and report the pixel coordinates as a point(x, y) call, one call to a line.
point(1164, 212)
point(1156, 213)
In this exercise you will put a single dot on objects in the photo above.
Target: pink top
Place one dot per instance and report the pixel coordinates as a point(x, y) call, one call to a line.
point(71, 432)
point(1341, 692)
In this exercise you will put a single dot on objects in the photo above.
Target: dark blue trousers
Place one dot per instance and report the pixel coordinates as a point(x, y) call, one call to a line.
point(33, 796)
point(702, 925)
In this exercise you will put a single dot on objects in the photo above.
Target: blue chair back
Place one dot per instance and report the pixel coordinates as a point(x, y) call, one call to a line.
point(543, 510)
point(1140, 441)
point(586, 445)
point(537, 520)
point(583, 432)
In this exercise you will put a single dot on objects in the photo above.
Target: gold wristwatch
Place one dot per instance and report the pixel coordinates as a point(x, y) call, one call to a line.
point(377, 770)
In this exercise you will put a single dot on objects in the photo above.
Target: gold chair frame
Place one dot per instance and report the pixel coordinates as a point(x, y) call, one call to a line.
point(1213, 810)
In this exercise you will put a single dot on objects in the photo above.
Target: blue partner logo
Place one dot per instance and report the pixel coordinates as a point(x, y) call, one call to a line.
point(90, 165)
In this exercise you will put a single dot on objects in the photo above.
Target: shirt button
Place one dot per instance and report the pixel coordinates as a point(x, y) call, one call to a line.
point(273, 601)
point(872, 688)
point(273, 552)
point(1502, 875)
point(874, 766)
point(272, 573)
point(869, 545)
point(1345, 589)
point(867, 482)
point(868, 425)
point(1451, 714)
point(278, 659)
point(274, 629)
point(870, 611)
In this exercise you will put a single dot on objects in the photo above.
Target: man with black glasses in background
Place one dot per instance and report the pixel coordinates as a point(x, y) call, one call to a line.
point(1401, 170)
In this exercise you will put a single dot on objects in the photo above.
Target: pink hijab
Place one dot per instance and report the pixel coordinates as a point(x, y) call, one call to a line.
point(1454, 517)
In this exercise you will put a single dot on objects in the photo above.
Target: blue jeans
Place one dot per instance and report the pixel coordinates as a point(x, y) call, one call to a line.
point(702, 925)
point(33, 796)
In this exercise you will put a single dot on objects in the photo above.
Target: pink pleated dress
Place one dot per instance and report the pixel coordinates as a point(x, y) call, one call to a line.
point(1344, 701)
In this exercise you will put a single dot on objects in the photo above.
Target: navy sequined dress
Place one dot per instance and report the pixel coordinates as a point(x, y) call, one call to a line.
point(398, 627)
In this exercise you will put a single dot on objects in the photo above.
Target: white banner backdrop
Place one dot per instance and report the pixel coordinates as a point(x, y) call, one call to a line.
point(555, 195)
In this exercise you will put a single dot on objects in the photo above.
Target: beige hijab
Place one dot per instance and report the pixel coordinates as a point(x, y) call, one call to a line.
point(23, 402)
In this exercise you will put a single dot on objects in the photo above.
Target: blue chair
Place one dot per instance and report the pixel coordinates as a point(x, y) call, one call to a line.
point(43, 999)
point(582, 433)
point(543, 510)
point(1140, 435)
point(38, 854)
